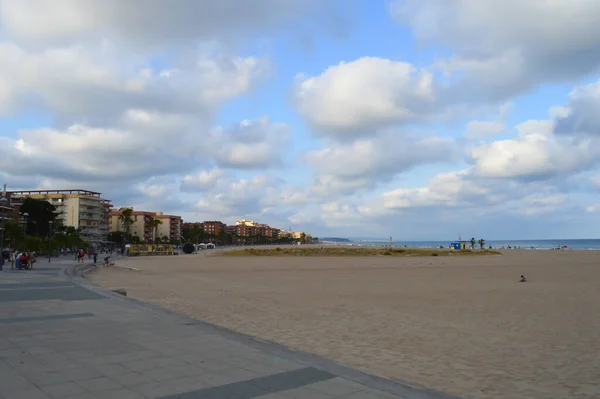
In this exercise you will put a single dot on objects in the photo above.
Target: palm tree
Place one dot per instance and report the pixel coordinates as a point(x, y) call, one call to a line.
point(481, 243)
point(154, 223)
point(126, 218)
point(472, 241)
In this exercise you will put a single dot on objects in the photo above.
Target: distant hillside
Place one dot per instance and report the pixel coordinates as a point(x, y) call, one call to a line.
point(334, 239)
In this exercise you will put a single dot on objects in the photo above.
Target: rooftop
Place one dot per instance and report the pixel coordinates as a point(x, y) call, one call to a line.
point(73, 191)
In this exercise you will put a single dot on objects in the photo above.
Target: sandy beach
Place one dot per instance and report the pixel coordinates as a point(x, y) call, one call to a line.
point(462, 325)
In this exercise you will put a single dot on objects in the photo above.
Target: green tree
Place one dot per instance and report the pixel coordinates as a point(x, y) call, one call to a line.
point(69, 237)
point(13, 234)
point(481, 243)
point(41, 213)
point(472, 241)
point(34, 244)
point(194, 234)
point(126, 219)
point(222, 237)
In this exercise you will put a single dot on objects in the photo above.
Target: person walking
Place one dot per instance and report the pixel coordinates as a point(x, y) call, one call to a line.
point(95, 257)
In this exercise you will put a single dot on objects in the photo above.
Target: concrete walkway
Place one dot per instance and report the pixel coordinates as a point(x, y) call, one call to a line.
point(61, 337)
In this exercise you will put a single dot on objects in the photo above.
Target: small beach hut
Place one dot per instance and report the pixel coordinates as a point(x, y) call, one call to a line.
point(458, 245)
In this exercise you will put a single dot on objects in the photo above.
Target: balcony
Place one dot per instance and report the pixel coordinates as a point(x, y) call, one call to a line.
point(90, 216)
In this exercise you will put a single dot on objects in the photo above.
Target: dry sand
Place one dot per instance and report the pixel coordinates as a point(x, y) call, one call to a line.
point(462, 325)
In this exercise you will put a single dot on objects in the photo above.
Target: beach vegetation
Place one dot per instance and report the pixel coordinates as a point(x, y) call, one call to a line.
point(353, 251)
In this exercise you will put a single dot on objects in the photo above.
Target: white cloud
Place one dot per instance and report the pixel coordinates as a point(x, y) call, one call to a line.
point(483, 129)
point(140, 147)
point(154, 191)
point(341, 214)
point(149, 23)
point(87, 84)
point(594, 208)
point(581, 116)
point(503, 48)
point(352, 99)
point(536, 153)
point(203, 181)
point(81, 153)
point(237, 198)
point(347, 168)
point(536, 204)
point(250, 145)
point(449, 201)
point(449, 189)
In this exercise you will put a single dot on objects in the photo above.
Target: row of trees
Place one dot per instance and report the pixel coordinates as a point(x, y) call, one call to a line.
point(39, 229)
point(481, 242)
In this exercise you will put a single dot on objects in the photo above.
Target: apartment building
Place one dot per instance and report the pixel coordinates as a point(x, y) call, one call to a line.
point(10, 207)
point(243, 231)
point(191, 225)
point(82, 209)
point(231, 230)
point(170, 225)
point(249, 228)
point(214, 227)
point(249, 223)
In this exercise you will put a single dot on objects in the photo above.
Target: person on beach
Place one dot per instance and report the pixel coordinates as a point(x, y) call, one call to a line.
point(523, 279)
point(106, 263)
point(95, 257)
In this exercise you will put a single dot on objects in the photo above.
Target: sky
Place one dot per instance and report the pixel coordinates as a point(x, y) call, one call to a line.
point(417, 119)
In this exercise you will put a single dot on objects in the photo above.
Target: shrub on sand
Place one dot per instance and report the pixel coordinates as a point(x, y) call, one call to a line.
point(354, 251)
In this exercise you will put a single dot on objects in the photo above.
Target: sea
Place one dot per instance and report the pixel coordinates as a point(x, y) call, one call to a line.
point(587, 244)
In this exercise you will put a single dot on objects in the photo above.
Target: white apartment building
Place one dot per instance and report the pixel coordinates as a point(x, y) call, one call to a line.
point(82, 209)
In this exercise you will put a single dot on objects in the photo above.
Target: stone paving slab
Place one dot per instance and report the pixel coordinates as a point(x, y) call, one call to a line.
point(62, 337)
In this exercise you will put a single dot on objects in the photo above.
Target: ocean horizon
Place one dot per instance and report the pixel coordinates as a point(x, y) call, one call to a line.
point(580, 244)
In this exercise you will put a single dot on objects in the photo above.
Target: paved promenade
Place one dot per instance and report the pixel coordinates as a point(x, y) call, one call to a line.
point(61, 337)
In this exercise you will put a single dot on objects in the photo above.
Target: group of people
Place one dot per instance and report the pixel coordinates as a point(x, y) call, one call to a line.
point(25, 260)
point(18, 260)
point(80, 256)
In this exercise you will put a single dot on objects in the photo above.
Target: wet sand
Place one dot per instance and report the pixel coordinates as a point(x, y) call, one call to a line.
point(462, 325)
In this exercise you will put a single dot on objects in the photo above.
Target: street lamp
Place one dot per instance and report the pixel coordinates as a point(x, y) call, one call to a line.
point(3, 203)
point(49, 240)
point(25, 216)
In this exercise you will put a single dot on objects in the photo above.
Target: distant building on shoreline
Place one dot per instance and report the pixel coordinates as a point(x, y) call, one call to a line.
point(244, 231)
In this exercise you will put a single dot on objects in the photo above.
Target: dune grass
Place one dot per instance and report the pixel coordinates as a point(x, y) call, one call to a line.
point(351, 251)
